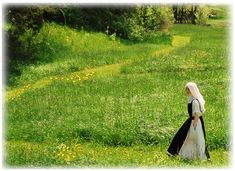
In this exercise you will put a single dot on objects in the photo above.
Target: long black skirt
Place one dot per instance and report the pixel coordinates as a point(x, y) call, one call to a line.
point(180, 137)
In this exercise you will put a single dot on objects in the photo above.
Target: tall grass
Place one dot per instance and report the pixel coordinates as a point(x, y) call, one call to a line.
point(142, 106)
point(77, 155)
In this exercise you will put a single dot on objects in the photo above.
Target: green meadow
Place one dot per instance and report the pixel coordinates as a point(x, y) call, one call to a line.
point(101, 101)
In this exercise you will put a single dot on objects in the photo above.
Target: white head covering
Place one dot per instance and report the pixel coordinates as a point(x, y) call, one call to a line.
point(196, 93)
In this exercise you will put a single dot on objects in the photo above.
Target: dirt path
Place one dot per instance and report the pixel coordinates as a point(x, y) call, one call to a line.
point(76, 77)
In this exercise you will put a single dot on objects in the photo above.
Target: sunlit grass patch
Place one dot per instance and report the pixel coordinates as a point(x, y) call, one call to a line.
point(63, 50)
point(179, 41)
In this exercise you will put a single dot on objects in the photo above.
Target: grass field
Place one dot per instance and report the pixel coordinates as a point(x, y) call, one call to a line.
point(100, 101)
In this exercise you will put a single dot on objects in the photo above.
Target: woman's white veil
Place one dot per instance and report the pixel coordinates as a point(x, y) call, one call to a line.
point(196, 93)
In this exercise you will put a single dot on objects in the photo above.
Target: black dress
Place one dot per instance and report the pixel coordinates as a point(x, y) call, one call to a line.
point(181, 135)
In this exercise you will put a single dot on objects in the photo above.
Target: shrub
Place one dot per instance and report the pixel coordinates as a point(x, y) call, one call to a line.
point(149, 19)
point(202, 15)
point(218, 12)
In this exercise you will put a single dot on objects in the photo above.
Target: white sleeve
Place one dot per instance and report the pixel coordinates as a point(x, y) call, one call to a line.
point(196, 108)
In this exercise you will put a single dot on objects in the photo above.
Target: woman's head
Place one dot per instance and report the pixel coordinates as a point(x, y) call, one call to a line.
point(192, 90)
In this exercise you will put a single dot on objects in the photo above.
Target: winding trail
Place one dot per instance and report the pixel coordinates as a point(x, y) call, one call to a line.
point(86, 74)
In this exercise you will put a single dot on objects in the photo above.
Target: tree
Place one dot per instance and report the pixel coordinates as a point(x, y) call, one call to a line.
point(185, 13)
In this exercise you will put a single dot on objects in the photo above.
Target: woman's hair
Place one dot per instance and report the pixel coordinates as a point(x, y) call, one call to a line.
point(196, 93)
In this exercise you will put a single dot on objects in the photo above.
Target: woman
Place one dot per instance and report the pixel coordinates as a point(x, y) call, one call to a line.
point(190, 140)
